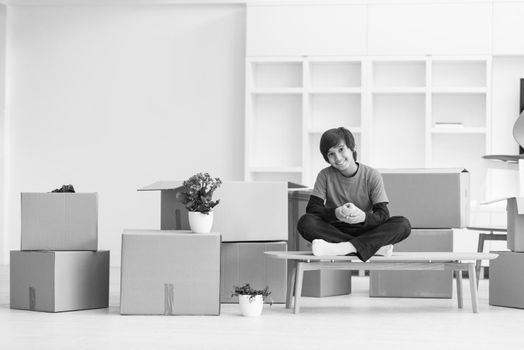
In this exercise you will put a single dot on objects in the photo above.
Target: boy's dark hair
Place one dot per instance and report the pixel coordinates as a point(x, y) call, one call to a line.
point(333, 137)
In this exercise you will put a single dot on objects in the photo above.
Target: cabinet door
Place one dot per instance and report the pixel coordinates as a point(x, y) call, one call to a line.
point(297, 30)
point(508, 28)
point(430, 29)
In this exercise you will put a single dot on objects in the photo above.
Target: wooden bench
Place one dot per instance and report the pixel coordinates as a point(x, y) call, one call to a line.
point(430, 261)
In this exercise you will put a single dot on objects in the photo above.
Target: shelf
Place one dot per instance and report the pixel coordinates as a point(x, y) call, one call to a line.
point(398, 131)
point(288, 169)
point(391, 74)
point(466, 108)
point(276, 129)
point(275, 91)
point(276, 75)
point(399, 90)
point(335, 74)
point(458, 130)
point(320, 91)
point(454, 73)
point(459, 90)
point(327, 111)
point(354, 130)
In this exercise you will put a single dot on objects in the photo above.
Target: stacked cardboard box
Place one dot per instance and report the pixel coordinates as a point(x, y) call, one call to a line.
point(170, 273)
point(58, 267)
point(435, 201)
point(506, 281)
point(251, 218)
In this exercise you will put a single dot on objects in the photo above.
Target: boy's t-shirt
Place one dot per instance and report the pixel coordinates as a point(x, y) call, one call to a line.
point(364, 189)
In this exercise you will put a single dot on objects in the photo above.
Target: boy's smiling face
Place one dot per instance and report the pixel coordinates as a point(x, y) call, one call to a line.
point(341, 158)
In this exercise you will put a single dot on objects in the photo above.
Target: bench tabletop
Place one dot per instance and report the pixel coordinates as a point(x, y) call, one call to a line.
point(396, 257)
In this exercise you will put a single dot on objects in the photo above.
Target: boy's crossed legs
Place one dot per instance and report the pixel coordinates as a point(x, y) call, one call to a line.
point(340, 238)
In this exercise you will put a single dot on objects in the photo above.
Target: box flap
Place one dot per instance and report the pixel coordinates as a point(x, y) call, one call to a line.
point(294, 187)
point(424, 171)
point(162, 185)
point(519, 201)
point(171, 185)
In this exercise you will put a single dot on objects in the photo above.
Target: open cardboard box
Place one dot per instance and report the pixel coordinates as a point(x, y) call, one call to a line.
point(248, 211)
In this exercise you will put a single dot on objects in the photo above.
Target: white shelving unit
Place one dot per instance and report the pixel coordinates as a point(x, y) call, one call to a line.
point(289, 103)
point(396, 112)
point(405, 112)
point(461, 93)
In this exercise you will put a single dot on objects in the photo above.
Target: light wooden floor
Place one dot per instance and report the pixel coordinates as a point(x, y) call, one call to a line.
point(347, 322)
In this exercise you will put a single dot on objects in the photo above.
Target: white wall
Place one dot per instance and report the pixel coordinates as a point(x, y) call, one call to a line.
point(112, 98)
point(3, 226)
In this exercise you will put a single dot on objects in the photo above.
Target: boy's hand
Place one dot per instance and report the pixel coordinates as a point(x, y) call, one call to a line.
point(355, 214)
point(342, 213)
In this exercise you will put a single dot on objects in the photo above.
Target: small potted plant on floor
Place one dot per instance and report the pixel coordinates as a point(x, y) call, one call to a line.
point(197, 197)
point(251, 300)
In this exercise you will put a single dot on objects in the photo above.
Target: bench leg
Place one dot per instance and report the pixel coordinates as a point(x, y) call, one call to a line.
point(298, 285)
point(473, 286)
point(291, 285)
point(480, 249)
point(458, 277)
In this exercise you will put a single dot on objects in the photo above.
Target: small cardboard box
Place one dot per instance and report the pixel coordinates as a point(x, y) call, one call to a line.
point(429, 198)
point(59, 221)
point(55, 281)
point(506, 280)
point(324, 283)
point(245, 262)
point(416, 284)
point(241, 215)
point(170, 273)
point(515, 213)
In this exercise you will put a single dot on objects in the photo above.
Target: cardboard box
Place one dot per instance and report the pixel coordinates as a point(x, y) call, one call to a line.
point(506, 280)
point(320, 283)
point(297, 203)
point(324, 283)
point(170, 273)
point(429, 198)
point(55, 281)
point(515, 213)
point(242, 214)
point(59, 221)
point(416, 284)
point(245, 262)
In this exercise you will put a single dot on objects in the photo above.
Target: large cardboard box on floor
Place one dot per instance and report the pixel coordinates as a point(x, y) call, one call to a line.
point(170, 273)
point(429, 198)
point(506, 280)
point(248, 211)
point(515, 213)
point(59, 221)
point(245, 262)
point(57, 281)
point(416, 284)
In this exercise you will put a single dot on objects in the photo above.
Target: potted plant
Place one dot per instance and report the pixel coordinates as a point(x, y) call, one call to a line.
point(251, 300)
point(197, 196)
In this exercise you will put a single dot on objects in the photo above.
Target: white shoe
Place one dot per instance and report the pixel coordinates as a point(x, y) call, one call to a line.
point(386, 250)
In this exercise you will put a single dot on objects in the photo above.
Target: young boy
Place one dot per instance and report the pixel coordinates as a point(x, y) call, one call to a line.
point(347, 212)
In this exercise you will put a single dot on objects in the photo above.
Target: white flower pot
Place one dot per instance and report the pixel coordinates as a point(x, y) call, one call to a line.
point(251, 308)
point(200, 223)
